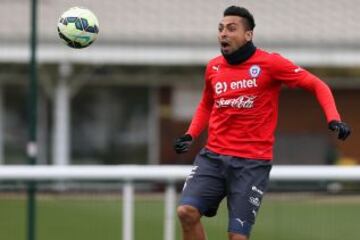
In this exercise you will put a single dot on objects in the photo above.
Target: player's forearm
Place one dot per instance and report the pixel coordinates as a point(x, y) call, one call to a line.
point(199, 121)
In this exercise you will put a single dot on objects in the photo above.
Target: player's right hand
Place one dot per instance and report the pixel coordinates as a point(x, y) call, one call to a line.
point(342, 128)
point(183, 143)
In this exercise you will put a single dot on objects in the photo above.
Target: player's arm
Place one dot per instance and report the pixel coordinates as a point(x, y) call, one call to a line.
point(327, 102)
point(199, 121)
point(294, 76)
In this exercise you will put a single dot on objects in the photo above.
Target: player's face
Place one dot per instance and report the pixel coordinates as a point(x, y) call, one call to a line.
point(232, 34)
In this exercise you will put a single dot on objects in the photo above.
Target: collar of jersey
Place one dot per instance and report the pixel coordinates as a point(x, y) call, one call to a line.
point(240, 55)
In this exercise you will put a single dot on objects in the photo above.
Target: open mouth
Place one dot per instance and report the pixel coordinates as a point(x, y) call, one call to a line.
point(225, 46)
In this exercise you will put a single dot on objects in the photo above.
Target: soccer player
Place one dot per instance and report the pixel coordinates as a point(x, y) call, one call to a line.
point(240, 106)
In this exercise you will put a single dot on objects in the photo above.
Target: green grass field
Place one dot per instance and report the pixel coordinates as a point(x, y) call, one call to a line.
point(95, 217)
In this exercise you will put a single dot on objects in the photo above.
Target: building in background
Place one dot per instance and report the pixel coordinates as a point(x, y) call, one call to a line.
point(128, 96)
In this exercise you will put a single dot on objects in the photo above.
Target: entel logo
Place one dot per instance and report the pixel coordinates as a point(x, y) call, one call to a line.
point(221, 87)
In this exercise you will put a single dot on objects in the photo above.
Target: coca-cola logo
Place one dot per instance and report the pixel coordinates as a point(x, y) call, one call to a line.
point(239, 102)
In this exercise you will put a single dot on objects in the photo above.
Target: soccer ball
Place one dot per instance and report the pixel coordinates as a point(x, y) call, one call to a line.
point(78, 27)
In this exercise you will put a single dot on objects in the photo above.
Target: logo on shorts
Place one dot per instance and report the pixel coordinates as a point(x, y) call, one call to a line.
point(254, 201)
point(255, 189)
point(184, 186)
point(193, 171)
point(254, 213)
point(254, 71)
point(241, 222)
point(191, 175)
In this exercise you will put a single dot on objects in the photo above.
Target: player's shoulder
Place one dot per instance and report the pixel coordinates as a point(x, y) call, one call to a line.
point(267, 54)
point(216, 61)
point(273, 58)
point(215, 64)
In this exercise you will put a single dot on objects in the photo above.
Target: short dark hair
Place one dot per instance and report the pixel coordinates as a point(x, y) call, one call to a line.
point(243, 13)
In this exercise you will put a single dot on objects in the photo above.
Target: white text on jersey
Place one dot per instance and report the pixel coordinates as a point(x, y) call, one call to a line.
point(221, 87)
point(239, 102)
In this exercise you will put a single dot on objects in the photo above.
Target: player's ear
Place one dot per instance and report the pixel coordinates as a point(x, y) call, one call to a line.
point(248, 35)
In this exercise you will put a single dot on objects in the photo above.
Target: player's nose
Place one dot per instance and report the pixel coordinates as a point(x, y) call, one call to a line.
point(222, 35)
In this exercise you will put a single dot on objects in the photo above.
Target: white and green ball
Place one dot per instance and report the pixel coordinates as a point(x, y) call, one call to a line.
point(78, 27)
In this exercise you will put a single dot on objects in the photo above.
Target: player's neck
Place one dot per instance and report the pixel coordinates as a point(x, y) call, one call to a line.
point(241, 55)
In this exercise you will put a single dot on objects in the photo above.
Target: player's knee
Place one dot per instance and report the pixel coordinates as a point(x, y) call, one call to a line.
point(233, 236)
point(188, 214)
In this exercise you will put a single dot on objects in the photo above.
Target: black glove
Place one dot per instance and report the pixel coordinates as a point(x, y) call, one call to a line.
point(342, 128)
point(183, 143)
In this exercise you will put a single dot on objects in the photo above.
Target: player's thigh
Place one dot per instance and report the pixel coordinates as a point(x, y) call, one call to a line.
point(205, 186)
point(248, 183)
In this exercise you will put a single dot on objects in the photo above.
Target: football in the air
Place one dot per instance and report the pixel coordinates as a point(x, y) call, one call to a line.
point(78, 27)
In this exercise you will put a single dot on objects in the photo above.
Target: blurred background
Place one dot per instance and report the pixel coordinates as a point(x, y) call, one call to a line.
point(127, 97)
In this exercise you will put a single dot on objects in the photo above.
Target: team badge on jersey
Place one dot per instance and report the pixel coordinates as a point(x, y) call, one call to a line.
point(254, 71)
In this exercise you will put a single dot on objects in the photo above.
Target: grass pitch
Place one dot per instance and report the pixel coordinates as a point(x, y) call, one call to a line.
point(93, 217)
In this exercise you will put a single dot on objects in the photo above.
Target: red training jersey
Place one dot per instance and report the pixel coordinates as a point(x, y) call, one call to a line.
point(240, 103)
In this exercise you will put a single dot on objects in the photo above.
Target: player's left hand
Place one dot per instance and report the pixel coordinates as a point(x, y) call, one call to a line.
point(342, 128)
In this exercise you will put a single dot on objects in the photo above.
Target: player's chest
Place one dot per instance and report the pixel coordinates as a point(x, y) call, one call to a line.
point(247, 79)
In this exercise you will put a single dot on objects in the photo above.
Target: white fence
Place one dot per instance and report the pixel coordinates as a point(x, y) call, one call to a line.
point(168, 174)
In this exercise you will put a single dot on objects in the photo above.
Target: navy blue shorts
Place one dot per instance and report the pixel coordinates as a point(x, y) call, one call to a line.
point(215, 176)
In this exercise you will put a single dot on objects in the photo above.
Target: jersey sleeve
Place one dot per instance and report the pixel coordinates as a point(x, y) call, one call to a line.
point(202, 114)
point(294, 76)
